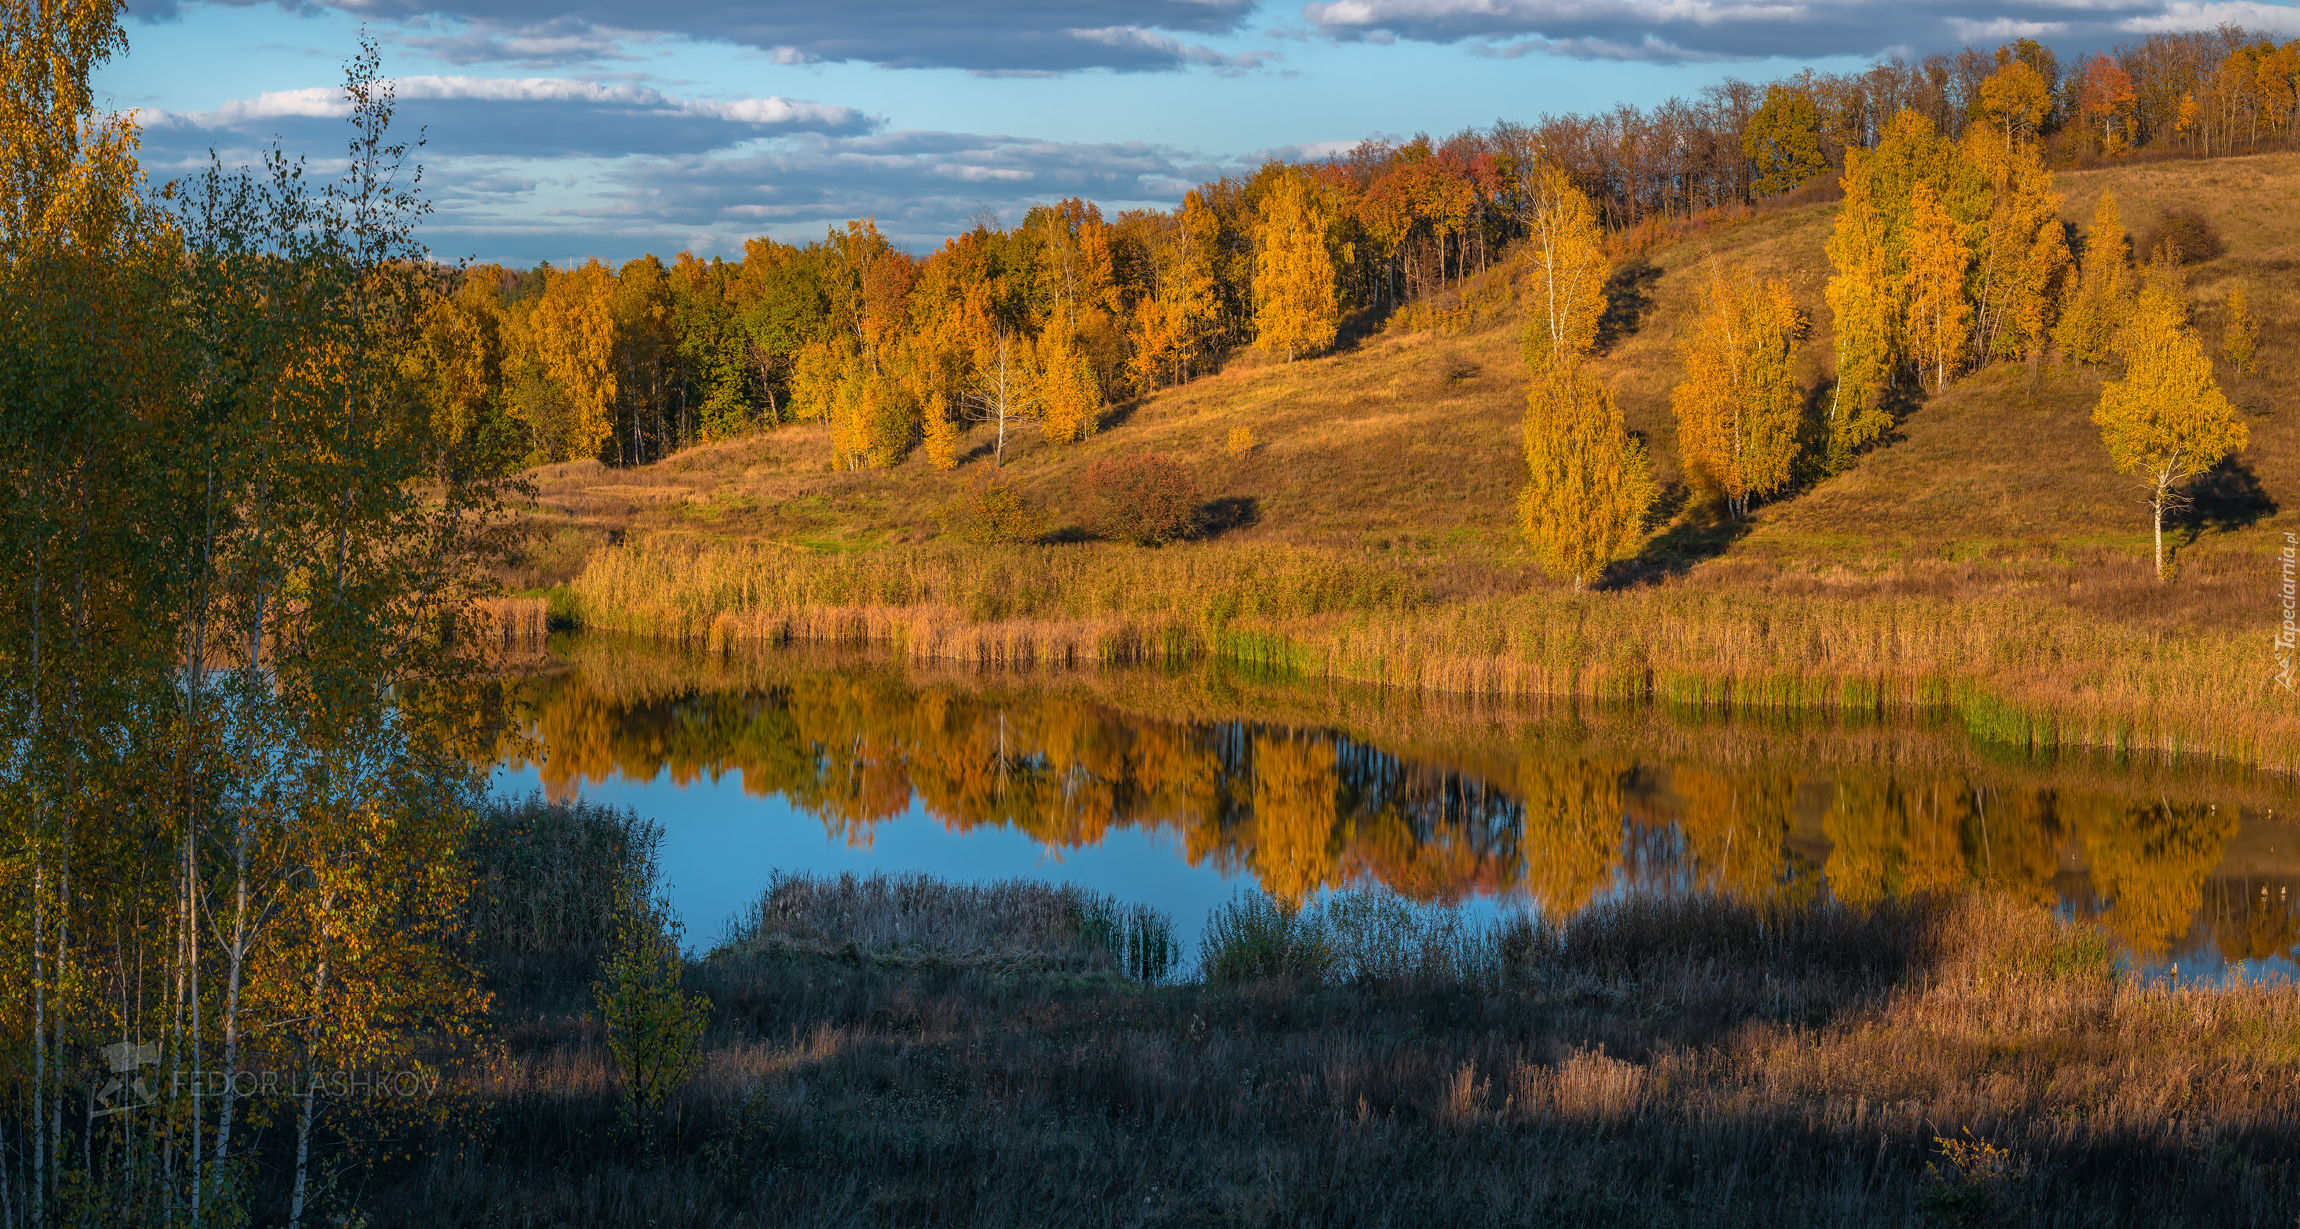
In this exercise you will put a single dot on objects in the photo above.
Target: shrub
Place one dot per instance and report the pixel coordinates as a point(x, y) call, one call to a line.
point(654, 1029)
point(1241, 441)
point(991, 510)
point(1143, 499)
point(2192, 235)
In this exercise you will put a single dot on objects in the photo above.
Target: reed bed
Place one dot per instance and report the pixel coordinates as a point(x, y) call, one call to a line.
point(1009, 924)
point(515, 623)
point(2018, 668)
point(546, 880)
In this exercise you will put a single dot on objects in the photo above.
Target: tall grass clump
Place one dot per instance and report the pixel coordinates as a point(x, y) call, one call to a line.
point(549, 880)
point(915, 919)
point(513, 622)
point(1365, 936)
point(1140, 939)
point(1255, 935)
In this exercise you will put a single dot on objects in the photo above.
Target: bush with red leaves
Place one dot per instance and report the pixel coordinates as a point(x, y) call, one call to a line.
point(1144, 499)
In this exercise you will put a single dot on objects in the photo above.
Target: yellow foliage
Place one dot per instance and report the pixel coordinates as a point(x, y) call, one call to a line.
point(941, 432)
point(1297, 843)
point(1175, 324)
point(457, 356)
point(1737, 407)
point(1865, 304)
point(2166, 420)
point(572, 332)
point(2096, 309)
point(1573, 831)
point(1565, 285)
point(2149, 861)
point(2240, 340)
point(873, 421)
point(1734, 825)
point(1588, 484)
point(2024, 258)
point(1939, 317)
point(1889, 839)
point(1070, 397)
point(67, 175)
point(1296, 306)
point(2016, 99)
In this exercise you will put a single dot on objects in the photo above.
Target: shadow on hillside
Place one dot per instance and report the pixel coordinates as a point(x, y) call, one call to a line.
point(1219, 516)
point(1628, 296)
point(1696, 533)
point(1116, 413)
point(2227, 498)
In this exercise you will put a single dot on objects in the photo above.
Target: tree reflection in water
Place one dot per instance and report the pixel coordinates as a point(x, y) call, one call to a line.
point(1562, 810)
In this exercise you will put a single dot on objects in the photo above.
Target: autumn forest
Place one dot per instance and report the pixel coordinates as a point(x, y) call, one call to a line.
point(1723, 654)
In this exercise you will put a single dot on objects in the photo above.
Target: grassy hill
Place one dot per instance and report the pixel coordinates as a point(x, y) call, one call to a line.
point(1396, 459)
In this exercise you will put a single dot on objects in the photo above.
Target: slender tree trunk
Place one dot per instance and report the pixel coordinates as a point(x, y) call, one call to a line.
point(38, 1202)
point(303, 1122)
point(39, 1199)
point(2157, 507)
point(238, 960)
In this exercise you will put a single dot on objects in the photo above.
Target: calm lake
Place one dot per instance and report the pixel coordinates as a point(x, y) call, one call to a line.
point(1180, 789)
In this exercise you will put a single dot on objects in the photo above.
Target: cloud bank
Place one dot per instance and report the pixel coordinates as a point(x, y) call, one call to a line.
point(1003, 36)
point(1691, 30)
point(550, 168)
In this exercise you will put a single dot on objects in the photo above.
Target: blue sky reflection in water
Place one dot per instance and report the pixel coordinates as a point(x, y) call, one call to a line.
point(794, 764)
point(720, 845)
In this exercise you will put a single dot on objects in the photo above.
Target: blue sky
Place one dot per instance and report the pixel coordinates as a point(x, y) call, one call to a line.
point(560, 130)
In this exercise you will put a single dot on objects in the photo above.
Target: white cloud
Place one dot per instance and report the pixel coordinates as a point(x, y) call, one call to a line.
point(510, 117)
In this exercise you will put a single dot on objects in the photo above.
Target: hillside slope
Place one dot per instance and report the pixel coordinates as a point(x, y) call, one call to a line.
point(1405, 448)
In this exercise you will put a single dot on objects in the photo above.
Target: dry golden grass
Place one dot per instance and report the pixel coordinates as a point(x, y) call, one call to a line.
point(515, 621)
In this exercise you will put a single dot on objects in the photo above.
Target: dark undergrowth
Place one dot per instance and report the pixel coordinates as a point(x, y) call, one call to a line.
point(1961, 1060)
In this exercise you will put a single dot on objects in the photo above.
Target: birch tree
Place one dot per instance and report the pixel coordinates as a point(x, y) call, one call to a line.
point(1566, 275)
point(1939, 317)
point(2102, 293)
point(1737, 407)
point(2166, 420)
point(1588, 483)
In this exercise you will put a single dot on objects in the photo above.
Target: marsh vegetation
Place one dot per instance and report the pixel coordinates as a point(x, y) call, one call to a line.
point(1958, 1058)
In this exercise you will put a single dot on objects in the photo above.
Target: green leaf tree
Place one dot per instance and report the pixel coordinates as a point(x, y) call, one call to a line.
point(654, 1028)
point(1783, 140)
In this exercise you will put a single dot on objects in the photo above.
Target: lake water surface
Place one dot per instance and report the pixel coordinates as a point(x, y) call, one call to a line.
point(1178, 790)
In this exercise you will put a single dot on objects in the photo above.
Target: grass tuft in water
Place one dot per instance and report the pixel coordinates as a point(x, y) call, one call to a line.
point(1015, 925)
point(1362, 937)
